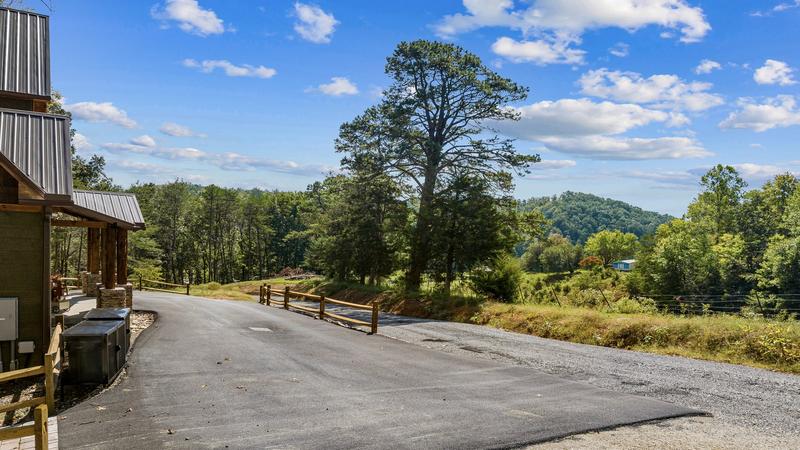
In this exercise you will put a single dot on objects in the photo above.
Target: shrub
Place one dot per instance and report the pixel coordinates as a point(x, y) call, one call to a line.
point(589, 262)
point(627, 305)
point(501, 280)
point(213, 286)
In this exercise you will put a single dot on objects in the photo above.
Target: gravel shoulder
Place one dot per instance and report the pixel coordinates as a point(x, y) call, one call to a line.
point(750, 408)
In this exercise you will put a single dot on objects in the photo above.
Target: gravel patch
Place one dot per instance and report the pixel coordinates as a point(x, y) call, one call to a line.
point(751, 408)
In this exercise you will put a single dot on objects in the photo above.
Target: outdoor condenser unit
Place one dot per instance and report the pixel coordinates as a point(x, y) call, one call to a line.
point(124, 334)
point(93, 350)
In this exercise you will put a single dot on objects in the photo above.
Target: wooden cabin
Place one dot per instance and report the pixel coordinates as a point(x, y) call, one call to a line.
point(35, 183)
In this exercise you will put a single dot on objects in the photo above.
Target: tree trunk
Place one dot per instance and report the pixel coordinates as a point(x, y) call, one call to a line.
point(421, 240)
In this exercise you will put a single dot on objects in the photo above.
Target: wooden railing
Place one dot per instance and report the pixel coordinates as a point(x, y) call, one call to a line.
point(162, 283)
point(67, 287)
point(266, 292)
point(42, 405)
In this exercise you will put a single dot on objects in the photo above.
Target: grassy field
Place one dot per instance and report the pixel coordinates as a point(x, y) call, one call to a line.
point(755, 342)
point(243, 290)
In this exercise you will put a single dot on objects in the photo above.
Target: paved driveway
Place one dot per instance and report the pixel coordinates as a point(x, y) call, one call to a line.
point(214, 373)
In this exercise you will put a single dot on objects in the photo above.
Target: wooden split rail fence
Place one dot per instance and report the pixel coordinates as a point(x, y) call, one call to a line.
point(266, 297)
point(41, 405)
point(142, 286)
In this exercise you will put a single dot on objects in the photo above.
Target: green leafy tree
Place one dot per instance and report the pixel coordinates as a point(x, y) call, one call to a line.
point(717, 207)
point(474, 226)
point(357, 224)
point(578, 215)
point(611, 245)
point(500, 279)
point(431, 127)
point(780, 268)
point(553, 254)
point(681, 261)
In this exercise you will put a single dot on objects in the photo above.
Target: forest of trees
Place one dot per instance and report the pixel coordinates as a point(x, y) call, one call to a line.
point(425, 194)
point(424, 190)
point(577, 215)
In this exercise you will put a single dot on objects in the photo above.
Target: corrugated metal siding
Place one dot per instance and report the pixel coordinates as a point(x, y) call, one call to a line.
point(117, 205)
point(24, 52)
point(39, 146)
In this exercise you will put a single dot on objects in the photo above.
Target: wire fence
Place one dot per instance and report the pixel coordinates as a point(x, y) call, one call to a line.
point(765, 304)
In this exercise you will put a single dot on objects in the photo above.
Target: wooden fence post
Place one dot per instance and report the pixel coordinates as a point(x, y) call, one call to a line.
point(374, 317)
point(286, 297)
point(140, 282)
point(49, 381)
point(40, 427)
point(187, 288)
point(269, 293)
point(321, 307)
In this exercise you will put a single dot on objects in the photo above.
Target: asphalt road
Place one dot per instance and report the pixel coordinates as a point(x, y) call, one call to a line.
point(214, 373)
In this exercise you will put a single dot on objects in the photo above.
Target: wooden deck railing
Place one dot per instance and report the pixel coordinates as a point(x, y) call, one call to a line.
point(266, 292)
point(42, 405)
point(142, 286)
point(68, 287)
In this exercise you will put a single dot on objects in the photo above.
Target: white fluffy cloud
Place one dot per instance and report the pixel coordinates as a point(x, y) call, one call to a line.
point(775, 112)
point(620, 50)
point(138, 167)
point(539, 51)
point(313, 24)
point(190, 16)
point(177, 130)
point(100, 112)
point(554, 164)
point(338, 87)
point(578, 117)
point(707, 66)
point(567, 20)
point(657, 91)
point(628, 148)
point(81, 143)
point(144, 141)
point(774, 72)
point(224, 160)
point(230, 69)
point(760, 172)
point(591, 129)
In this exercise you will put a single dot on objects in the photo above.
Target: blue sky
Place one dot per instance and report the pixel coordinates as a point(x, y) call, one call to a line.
point(630, 99)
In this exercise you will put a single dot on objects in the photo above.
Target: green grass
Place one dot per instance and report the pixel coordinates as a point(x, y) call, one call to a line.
point(755, 342)
point(243, 290)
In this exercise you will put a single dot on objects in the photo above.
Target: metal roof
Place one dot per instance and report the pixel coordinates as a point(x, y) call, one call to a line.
point(38, 146)
point(121, 208)
point(24, 53)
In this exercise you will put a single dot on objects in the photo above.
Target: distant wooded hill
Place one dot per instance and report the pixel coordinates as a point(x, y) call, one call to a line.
point(577, 215)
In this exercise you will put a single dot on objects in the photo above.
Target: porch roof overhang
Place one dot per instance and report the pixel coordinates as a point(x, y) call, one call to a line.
point(118, 208)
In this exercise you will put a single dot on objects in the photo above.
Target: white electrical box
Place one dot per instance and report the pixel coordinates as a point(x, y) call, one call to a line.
point(25, 347)
point(8, 319)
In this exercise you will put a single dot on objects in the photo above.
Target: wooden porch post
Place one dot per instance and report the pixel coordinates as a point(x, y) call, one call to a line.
point(93, 250)
point(109, 257)
point(122, 256)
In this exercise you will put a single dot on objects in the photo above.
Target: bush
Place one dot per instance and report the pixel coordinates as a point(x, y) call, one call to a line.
point(589, 262)
point(501, 280)
point(213, 286)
